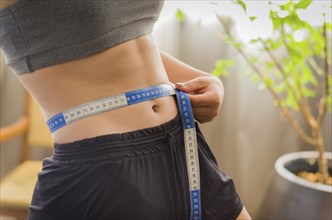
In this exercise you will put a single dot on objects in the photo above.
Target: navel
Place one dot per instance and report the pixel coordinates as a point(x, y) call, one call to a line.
point(156, 108)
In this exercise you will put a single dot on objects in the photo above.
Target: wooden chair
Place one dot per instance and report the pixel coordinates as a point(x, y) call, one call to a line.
point(17, 186)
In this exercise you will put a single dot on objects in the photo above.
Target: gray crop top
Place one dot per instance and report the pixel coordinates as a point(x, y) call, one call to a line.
point(40, 33)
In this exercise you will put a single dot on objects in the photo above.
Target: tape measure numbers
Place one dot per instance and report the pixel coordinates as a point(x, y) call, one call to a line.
point(190, 142)
point(102, 105)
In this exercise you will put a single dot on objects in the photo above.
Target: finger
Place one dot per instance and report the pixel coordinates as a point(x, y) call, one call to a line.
point(198, 100)
point(183, 87)
point(203, 114)
point(205, 100)
point(191, 86)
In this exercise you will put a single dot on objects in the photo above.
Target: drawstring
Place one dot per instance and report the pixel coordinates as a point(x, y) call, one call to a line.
point(171, 151)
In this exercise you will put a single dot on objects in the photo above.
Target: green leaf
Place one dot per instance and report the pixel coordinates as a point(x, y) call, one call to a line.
point(274, 44)
point(329, 97)
point(252, 18)
point(308, 77)
point(303, 4)
point(179, 15)
point(288, 6)
point(329, 80)
point(295, 50)
point(293, 20)
point(254, 40)
point(238, 44)
point(328, 26)
point(222, 66)
point(242, 4)
point(329, 103)
point(292, 103)
point(228, 39)
point(255, 78)
point(268, 67)
point(280, 88)
point(253, 59)
point(318, 41)
point(308, 92)
point(268, 82)
point(288, 65)
point(276, 21)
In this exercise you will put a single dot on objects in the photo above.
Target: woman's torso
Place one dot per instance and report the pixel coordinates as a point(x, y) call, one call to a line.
point(131, 65)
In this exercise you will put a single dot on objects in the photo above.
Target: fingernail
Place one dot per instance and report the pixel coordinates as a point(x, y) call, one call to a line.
point(180, 84)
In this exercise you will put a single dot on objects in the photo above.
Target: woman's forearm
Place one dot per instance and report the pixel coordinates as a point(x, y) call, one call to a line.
point(178, 71)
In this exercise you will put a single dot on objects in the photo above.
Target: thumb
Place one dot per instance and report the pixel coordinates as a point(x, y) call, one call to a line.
point(190, 86)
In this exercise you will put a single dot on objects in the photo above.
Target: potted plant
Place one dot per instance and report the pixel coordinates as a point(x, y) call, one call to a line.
point(296, 71)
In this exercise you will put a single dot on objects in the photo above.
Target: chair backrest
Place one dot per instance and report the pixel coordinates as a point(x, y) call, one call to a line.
point(31, 126)
point(38, 132)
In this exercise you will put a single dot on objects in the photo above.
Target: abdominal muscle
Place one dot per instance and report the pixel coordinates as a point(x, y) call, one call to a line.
point(129, 66)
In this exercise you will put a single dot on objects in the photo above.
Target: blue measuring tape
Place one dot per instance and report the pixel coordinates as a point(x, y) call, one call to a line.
point(190, 142)
point(129, 98)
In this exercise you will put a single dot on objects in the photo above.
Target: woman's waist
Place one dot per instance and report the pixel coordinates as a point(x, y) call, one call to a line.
point(116, 146)
point(53, 101)
point(58, 93)
point(132, 65)
point(124, 119)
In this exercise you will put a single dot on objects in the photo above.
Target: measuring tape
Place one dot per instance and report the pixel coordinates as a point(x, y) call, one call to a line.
point(129, 98)
point(190, 142)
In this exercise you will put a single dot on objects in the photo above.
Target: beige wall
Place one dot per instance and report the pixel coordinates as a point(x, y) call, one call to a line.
point(11, 101)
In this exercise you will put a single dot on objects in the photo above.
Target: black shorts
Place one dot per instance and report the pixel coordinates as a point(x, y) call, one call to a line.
point(135, 175)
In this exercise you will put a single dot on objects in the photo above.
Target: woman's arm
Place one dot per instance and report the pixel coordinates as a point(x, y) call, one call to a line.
point(205, 90)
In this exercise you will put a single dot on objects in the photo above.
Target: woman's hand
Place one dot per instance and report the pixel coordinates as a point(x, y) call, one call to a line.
point(206, 94)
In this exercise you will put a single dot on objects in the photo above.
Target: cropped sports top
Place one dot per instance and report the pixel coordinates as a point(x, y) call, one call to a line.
point(40, 33)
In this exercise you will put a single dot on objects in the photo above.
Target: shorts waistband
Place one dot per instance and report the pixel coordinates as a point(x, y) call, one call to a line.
point(116, 144)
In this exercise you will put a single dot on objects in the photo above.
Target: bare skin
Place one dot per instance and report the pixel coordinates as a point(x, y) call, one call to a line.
point(135, 64)
point(62, 86)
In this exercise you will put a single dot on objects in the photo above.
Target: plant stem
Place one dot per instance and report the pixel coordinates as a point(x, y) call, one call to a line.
point(283, 109)
point(302, 101)
point(315, 66)
point(322, 103)
point(322, 162)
